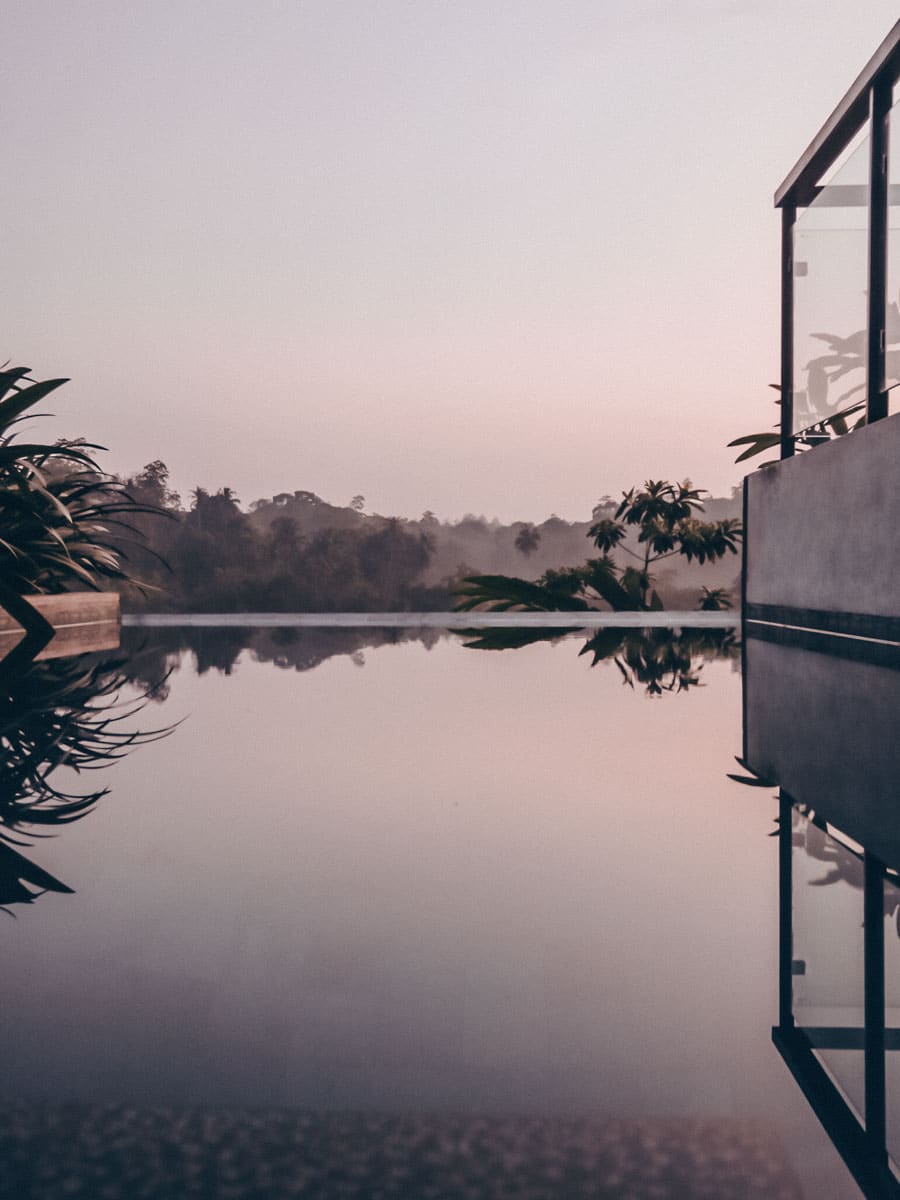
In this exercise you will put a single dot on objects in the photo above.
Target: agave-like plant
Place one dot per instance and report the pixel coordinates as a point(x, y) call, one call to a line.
point(63, 521)
point(58, 719)
point(60, 713)
point(62, 526)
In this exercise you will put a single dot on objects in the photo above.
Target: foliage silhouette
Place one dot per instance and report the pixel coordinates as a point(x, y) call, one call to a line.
point(225, 560)
point(17, 872)
point(662, 661)
point(56, 715)
point(62, 519)
point(662, 519)
point(60, 713)
point(527, 540)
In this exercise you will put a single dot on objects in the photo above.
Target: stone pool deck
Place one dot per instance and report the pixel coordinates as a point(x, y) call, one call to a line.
point(77, 1152)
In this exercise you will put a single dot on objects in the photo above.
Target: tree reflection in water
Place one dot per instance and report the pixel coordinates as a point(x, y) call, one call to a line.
point(65, 715)
point(56, 716)
point(662, 661)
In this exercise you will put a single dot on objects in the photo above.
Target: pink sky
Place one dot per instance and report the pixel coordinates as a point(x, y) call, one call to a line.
point(496, 257)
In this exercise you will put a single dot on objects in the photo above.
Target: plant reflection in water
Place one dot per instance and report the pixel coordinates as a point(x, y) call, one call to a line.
point(662, 661)
point(58, 715)
point(66, 714)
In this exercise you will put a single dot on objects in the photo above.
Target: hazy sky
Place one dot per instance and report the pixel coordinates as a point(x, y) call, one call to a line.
point(499, 256)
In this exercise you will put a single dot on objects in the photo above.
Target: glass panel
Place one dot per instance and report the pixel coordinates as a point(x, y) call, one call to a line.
point(892, 339)
point(828, 977)
point(892, 1013)
point(830, 276)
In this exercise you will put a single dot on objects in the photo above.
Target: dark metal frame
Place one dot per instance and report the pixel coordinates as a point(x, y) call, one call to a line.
point(861, 1144)
point(867, 101)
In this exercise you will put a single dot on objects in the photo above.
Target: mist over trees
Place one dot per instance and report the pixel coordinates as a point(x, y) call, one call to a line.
point(296, 552)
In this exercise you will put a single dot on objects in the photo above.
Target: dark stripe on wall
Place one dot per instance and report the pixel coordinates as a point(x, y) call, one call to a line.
point(855, 624)
point(852, 649)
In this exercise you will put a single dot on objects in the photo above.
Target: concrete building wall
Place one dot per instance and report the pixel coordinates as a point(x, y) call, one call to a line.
point(825, 729)
point(823, 528)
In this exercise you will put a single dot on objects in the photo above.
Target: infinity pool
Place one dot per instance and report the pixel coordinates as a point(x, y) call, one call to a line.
point(382, 875)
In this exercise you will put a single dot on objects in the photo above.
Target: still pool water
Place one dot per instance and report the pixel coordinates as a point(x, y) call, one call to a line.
point(414, 879)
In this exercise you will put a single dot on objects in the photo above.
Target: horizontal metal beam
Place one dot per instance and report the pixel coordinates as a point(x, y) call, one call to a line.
point(845, 1037)
point(866, 1163)
point(849, 116)
point(850, 195)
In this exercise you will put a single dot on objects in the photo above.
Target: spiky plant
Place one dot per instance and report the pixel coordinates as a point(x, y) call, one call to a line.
point(63, 520)
point(61, 713)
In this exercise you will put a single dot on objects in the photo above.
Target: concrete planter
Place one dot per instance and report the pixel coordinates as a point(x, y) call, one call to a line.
point(83, 622)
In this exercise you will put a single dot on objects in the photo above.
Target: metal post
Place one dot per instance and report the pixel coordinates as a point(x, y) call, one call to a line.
point(785, 912)
point(873, 934)
point(788, 215)
point(879, 107)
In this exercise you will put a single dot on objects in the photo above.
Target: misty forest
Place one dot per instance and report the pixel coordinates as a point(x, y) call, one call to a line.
point(296, 552)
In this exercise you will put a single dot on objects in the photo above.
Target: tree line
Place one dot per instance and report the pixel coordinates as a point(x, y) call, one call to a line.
point(296, 552)
point(213, 557)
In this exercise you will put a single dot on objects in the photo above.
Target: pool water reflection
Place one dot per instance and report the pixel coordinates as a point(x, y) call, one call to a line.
point(415, 878)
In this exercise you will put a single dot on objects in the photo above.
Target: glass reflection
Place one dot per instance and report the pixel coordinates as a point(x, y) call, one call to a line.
point(827, 967)
point(892, 316)
point(830, 280)
point(839, 893)
point(892, 1013)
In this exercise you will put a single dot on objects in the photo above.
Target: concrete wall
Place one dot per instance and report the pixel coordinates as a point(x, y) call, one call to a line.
point(84, 622)
point(823, 528)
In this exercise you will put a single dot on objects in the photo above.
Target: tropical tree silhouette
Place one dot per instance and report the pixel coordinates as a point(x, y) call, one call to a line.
point(527, 540)
point(651, 524)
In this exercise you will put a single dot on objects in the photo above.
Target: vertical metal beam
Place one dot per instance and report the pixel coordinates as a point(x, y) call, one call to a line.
point(785, 912)
point(788, 215)
point(879, 107)
point(745, 504)
point(873, 933)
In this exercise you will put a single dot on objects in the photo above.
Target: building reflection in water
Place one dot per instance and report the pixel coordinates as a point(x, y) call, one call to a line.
point(820, 716)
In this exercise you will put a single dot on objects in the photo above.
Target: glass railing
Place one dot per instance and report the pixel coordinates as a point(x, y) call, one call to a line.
point(892, 1014)
point(828, 953)
point(892, 313)
point(830, 268)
